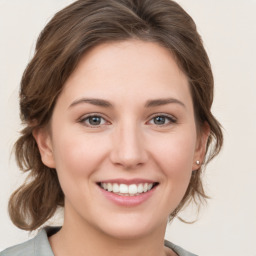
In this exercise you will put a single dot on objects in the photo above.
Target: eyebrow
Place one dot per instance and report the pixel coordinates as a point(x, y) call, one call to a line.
point(160, 102)
point(93, 101)
point(107, 104)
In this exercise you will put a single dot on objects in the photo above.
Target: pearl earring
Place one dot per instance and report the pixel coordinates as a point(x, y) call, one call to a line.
point(197, 162)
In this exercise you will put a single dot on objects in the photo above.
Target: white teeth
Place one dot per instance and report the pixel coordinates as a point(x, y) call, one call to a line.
point(140, 188)
point(115, 188)
point(133, 189)
point(123, 189)
point(109, 188)
point(127, 190)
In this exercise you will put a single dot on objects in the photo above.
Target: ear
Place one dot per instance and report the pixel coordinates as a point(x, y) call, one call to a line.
point(44, 143)
point(200, 151)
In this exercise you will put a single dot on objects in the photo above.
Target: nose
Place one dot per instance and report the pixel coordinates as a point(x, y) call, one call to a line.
point(128, 147)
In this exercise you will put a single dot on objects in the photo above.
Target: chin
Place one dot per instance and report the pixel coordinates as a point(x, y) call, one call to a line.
point(131, 227)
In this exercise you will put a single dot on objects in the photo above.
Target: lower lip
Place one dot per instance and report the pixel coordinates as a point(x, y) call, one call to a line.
point(128, 201)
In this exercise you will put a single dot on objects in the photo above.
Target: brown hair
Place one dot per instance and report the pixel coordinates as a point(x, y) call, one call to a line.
point(65, 39)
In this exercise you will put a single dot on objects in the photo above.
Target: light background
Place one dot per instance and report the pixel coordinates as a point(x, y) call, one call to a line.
point(227, 226)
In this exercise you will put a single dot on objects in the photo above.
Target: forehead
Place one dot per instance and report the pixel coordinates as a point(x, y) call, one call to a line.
point(129, 68)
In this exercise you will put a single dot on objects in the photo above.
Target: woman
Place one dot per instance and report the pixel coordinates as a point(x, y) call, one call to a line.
point(116, 105)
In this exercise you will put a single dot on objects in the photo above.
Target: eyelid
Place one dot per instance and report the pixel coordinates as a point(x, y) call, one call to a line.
point(94, 114)
point(172, 119)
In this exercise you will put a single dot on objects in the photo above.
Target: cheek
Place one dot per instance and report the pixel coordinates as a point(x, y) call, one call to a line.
point(175, 155)
point(77, 157)
point(76, 161)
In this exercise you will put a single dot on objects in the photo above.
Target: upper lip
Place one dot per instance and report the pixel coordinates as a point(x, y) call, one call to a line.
point(127, 181)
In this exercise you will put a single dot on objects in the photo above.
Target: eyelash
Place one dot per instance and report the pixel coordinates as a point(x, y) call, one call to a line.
point(86, 118)
point(170, 120)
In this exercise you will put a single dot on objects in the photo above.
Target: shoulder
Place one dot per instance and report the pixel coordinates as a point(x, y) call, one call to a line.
point(26, 248)
point(180, 251)
point(38, 246)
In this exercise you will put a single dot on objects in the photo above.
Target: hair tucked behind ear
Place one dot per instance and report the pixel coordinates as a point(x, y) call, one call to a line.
point(66, 38)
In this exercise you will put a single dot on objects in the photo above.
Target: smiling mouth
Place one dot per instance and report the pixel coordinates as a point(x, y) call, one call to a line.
point(127, 190)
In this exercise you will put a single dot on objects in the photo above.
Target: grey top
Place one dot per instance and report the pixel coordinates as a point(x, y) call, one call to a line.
point(40, 246)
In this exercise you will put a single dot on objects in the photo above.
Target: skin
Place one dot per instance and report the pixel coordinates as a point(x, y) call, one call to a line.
point(127, 143)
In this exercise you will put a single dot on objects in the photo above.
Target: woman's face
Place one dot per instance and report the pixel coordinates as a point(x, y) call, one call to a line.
point(123, 139)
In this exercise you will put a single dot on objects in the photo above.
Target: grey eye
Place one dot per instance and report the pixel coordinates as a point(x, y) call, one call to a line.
point(94, 120)
point(160, 120)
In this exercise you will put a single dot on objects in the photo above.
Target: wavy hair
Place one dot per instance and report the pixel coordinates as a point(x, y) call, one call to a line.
point(71, 33)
